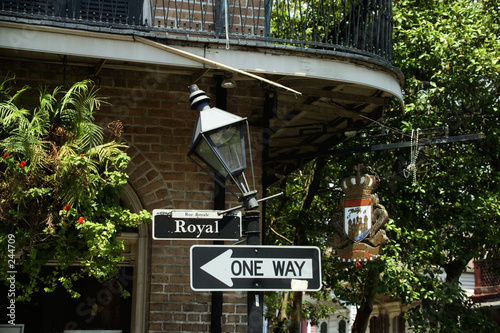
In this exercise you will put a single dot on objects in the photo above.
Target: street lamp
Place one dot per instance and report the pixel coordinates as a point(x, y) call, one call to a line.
point(219, 142)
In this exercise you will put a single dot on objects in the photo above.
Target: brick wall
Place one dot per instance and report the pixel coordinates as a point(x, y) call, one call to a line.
point(154, 108)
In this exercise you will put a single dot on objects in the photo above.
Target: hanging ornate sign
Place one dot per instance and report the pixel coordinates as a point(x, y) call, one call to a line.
point(359, 225)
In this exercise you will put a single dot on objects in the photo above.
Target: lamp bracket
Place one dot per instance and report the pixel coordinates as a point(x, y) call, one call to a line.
point(222, 212)
point(270, 197)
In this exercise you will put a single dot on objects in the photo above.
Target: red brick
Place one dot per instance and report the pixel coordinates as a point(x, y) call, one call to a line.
point(155, 327)
point(158, 124)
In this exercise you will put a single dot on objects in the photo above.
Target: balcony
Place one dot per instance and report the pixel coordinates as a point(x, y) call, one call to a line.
point(336, 53)
point(487, 282)
point(353, 26)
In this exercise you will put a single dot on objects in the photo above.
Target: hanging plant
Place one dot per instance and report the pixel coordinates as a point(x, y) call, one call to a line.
point(60, 186)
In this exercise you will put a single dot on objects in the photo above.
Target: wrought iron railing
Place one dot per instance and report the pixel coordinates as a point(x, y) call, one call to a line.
point(355, 26)
point(486, 278)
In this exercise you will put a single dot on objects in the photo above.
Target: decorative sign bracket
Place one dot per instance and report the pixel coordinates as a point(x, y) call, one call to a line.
point(359, 226)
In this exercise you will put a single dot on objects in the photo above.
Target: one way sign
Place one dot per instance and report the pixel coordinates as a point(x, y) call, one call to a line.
point(295, 268)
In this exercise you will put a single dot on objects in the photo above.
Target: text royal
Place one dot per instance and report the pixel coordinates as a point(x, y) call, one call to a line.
point(198, 229)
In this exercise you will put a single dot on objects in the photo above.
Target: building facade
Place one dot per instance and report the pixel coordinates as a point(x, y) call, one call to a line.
point(388, 313)
point(302, 80)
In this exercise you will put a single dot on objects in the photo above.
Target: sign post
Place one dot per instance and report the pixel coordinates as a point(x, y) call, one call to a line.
point(252, 268)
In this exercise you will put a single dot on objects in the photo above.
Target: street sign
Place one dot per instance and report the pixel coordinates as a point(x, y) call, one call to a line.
point(195, 225)
point(246, 267)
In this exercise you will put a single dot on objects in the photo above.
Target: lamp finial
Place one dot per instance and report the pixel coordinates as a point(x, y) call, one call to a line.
point(198, 98)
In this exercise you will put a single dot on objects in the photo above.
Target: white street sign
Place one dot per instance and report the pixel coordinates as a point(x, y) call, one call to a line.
point(255, 268)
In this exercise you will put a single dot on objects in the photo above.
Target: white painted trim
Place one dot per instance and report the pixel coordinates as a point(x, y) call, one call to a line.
point(141, 273)
point(307, 67)
point(209, 62)
point(74, 42)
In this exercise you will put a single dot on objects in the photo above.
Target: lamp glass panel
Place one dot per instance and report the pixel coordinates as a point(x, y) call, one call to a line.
point(204, 152)
point(230, 144)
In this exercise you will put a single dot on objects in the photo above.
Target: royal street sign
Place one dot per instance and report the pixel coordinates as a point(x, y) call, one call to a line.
point(246, 267)
point(195, 225)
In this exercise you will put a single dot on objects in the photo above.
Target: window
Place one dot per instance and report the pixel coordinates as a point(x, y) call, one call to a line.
point(101, 305)
point(95, 11)
point(342, 326)
point(379, 324)
point(323, 327)
point(114, 11)
point(398, 324)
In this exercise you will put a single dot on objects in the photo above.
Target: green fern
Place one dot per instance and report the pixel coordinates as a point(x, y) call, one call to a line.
point(75, 113)
point(60, 186)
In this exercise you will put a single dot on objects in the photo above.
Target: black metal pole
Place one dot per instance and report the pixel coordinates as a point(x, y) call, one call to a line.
point(217, 296)
point(219, 22)
point(219, 204)
point(216, 316)
point(255, 299)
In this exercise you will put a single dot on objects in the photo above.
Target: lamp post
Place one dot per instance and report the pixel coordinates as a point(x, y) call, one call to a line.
point(219, 143)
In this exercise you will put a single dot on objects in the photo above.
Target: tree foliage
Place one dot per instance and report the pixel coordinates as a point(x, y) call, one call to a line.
point(449, 53)
point(60, 186)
